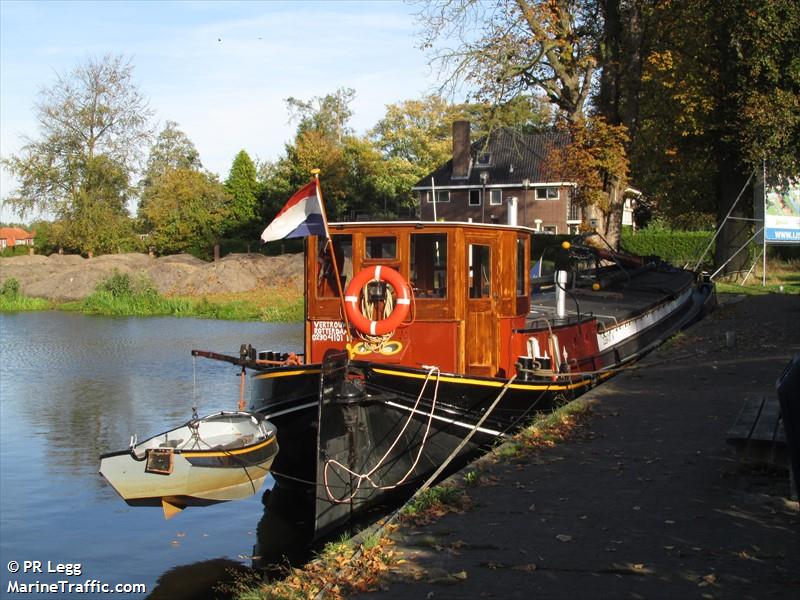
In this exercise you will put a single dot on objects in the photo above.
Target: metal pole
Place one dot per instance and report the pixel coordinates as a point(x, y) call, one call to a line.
point(433, 193)
point(752, 237)
point(483, 204)
point(764, 235)
point(719, 229)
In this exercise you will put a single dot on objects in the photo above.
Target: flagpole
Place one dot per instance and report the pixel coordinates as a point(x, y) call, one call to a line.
point(329, 248)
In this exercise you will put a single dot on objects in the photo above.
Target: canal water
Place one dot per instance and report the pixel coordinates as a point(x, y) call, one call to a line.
point(73, 387)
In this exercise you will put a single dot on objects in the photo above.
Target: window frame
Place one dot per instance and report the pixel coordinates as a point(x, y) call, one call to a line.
point(548, 193)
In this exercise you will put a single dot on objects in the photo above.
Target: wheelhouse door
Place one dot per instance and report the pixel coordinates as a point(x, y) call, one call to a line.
point(481, 322)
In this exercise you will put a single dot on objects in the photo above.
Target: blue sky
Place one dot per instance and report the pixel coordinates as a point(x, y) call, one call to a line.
point(221, 70)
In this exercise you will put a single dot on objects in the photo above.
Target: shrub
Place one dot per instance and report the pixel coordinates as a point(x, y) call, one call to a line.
point(677, 247)
point(10, 288)
point(12, 299)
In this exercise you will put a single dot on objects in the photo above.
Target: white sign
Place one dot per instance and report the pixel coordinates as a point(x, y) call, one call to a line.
point(782, 214)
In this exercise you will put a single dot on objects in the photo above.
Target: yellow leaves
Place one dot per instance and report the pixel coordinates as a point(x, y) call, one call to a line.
point(341, 571)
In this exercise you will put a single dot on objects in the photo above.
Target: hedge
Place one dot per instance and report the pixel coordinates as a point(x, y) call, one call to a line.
point(677, 247)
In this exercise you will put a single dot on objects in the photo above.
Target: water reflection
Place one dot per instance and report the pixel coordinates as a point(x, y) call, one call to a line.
point(73, 387)
point(283, 539)
point(204, 580)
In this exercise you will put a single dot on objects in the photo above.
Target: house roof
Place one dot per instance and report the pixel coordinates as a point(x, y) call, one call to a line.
point(16, 233)
point(513, 156)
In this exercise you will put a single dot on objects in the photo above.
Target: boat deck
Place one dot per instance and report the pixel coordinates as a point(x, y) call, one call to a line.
point(620, 301)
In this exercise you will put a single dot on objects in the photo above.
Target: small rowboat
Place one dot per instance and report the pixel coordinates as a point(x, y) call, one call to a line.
point(220, 457)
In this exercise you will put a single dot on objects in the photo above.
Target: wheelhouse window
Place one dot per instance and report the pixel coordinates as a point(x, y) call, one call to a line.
point(474, 197)
point(522, 265)
point(480, 271)
point(429, 265)
point(326, 274)
point(381, 247)
point(549, 193)
point(496, 197)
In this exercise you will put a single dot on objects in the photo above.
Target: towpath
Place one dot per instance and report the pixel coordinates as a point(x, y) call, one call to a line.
point(647, 501)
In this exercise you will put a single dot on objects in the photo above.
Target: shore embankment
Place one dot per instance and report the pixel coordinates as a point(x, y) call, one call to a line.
point(646, 500)
point(238, 286)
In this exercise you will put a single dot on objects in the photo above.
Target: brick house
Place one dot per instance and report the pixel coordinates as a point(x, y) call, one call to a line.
point(15, 236)
point(487, 178)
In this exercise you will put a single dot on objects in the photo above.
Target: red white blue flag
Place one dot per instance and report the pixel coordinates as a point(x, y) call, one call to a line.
point(303, 215)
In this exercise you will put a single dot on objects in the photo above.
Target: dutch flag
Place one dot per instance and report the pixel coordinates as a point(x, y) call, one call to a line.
point(303, 215)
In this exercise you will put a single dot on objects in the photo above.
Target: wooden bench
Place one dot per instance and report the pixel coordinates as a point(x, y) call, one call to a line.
point(758, 433)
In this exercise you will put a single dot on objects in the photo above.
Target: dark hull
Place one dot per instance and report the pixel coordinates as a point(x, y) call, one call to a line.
point(365, 432)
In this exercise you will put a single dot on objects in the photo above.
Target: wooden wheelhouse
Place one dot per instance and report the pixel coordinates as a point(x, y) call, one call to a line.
point(470, 290)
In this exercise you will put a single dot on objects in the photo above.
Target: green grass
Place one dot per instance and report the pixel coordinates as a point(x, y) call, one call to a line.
point(790, 287)
point(120, 295)
point(433, 498)
point(549, 428)
point(13, 300)
point(783, 277)
point(21, 303)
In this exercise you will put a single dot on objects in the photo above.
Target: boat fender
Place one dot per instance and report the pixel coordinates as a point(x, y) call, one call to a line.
point(353, 294)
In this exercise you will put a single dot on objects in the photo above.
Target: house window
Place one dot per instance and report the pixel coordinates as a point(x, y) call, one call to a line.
point(443, 196)
point(550, 193)
point(429, 265)
point(496, 197)
point(484, 159)
point(474, 197)
point(550, 229)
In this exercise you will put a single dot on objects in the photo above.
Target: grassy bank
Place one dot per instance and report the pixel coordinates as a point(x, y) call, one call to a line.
point(12, 300)
point(123, 296)
point(783, 277)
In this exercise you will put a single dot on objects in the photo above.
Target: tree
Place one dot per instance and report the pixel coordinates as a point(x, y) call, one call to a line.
point(171, 150)
point(596, 161)
point(188, 210)
point(90, 120)
point(327, 115)
point(418, 132)
point(720, 93)
point(242, 187)
point(510, 47)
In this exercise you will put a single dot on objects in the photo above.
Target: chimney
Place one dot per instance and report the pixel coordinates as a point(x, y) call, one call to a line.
point(460, 149)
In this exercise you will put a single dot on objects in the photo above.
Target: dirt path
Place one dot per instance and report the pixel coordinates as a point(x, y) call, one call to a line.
point(648, 502)
point(69, 277)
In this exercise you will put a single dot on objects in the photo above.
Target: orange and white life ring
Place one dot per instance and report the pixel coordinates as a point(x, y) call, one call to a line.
point(353, 294)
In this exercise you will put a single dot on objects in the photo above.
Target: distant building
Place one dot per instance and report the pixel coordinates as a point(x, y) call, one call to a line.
point(15, 236)
point(485, 180)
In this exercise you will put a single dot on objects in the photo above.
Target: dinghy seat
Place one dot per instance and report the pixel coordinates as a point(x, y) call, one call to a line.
point(237, 443)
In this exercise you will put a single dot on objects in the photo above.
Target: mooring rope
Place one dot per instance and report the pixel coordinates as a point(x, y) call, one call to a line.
point(361, 477)
point(429, 481)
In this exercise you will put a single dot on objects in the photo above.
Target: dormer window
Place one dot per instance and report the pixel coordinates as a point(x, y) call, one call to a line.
point(484, 159)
